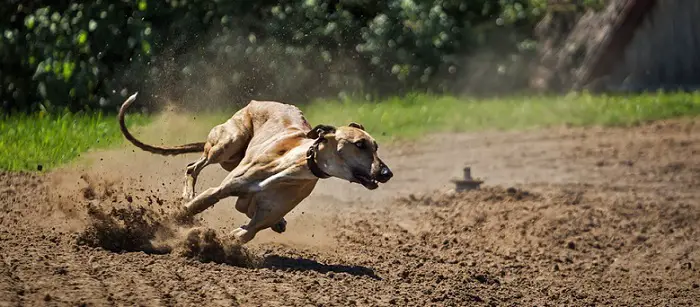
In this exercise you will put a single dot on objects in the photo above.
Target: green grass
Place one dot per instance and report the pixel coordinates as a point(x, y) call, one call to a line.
point(415, 115)
point(27, 141)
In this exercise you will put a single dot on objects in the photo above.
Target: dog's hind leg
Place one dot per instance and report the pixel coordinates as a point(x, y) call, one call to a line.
point(215, 155)
point(193, 170)
point(269, 209)
point(246, 205)
point(226, 144)
point(228, 153)
point(264, 216)
point(243, 203)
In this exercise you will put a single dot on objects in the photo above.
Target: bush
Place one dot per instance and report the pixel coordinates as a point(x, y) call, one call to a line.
point(67, 55)
point(71, 55)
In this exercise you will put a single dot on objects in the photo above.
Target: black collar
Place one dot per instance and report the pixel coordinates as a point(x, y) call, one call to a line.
point(311, 158)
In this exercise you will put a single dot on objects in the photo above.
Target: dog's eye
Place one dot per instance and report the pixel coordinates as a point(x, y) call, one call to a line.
point(360, 144)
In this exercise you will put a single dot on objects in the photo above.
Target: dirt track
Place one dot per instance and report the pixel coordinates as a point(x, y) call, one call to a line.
point(567, 217)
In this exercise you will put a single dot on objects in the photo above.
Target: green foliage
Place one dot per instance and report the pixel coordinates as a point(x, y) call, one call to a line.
point(90, 55)
point(27, 141)
point(67, 54)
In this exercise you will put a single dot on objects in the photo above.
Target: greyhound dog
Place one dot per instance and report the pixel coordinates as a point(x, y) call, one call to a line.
point(274, 159)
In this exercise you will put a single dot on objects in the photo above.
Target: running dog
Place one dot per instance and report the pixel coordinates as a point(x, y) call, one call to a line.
point(274, 159)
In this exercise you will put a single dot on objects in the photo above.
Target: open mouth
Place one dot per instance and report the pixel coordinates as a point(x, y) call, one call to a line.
point(366, 181)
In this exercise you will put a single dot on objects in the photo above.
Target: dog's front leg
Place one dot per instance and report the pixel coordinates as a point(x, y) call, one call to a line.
point(205, 200)
point(234, 185)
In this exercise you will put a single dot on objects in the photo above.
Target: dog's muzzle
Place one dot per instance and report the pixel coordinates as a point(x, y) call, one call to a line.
point(384, 174)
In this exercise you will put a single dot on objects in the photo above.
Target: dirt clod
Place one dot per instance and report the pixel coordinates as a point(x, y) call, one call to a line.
point(204, 245)
point(122, 230)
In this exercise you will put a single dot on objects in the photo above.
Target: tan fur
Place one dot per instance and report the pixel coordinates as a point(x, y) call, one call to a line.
point(264, 146)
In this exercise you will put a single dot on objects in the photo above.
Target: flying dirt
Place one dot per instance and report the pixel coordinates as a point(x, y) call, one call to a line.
point(566, 216)
point(275, 158)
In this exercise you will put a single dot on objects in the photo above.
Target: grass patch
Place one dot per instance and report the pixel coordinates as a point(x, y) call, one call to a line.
point(415, 115)
point(28, 141)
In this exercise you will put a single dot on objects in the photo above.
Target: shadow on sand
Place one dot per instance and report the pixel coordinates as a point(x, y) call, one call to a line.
point(301, 264)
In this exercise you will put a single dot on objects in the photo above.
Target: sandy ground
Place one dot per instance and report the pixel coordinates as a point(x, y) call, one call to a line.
point(575, 217)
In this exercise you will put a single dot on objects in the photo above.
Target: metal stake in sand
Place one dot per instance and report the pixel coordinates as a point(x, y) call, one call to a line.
point(468, 183)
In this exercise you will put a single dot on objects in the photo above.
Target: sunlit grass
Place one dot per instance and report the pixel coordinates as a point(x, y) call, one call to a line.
point(30, 142)
point(415, 115)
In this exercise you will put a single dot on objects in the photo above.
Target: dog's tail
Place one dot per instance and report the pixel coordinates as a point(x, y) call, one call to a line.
point(166, 151)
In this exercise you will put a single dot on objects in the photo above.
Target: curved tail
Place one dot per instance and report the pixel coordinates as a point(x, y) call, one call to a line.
point(166, 151)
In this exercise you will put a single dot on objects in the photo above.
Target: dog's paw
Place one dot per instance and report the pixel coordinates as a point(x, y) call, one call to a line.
point(242, 235)
point(187, 194)
point(280, 227)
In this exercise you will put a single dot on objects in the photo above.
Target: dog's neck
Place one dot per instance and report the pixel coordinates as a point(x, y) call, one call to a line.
point(311, 161)
point(325, 159)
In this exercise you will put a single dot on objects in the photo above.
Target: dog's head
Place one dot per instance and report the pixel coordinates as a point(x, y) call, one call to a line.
point(351, 154)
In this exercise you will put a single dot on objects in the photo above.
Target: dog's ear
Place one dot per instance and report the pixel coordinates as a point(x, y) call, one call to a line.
point(316, 131)
point(356, 125)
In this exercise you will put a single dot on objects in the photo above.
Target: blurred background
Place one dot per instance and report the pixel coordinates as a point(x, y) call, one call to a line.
point(403, 67)
point(203, 53)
